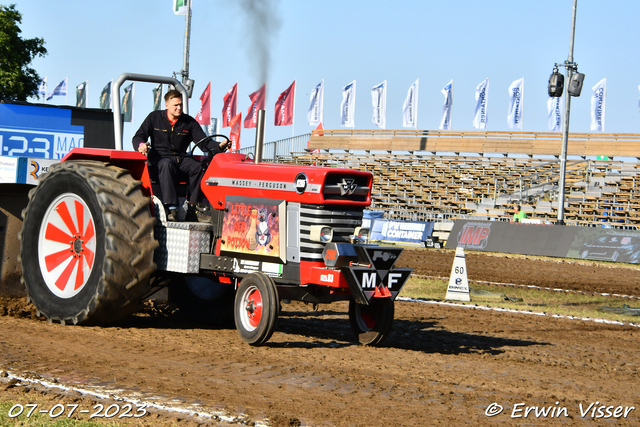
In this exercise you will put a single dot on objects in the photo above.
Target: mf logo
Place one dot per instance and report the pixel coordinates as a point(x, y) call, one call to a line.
point(370, 280)
point(347, 187)
point(383, 255)
point(474, 235)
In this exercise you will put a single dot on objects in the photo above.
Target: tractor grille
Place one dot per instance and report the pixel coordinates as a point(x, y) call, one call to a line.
point(338, 186)
point(343, 221)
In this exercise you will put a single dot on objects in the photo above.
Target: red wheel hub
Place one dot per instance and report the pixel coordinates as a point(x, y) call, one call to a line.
point(254, 307)
point(67, 245)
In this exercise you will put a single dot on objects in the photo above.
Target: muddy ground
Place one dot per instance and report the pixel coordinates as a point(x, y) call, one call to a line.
point(442, 365)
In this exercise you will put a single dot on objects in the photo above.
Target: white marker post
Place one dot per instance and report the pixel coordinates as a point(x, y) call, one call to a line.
point(458, 284)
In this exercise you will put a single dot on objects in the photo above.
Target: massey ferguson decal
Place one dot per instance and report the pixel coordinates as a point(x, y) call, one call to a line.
point(474, 235)
point(377, 277)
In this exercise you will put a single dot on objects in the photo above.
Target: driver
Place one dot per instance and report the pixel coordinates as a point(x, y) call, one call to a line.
point(171, 132)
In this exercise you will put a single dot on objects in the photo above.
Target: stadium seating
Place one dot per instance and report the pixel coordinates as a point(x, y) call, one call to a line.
point(423, 185)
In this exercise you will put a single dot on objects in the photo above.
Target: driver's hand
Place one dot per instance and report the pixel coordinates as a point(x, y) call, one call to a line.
point(143, 148)
point(224, 145)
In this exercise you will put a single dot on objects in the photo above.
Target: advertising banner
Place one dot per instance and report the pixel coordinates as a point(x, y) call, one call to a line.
point(32, 131)
point(400, 231)
point(35, 168)
point(480, 117)
point(606, 245)
point(8, 170)
point(602, 244)
point(516, 102)
point(410, 107)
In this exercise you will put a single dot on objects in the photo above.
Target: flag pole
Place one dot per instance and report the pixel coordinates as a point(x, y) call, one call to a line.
point(187, 37)
point(322, 110)
point(133, 92)
point(293, 120)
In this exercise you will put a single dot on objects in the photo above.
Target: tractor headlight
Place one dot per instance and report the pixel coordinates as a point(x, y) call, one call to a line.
point(321, 233)
point(361, 235)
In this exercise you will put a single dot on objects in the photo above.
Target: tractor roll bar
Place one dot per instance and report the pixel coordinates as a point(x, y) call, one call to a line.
point(117, 116)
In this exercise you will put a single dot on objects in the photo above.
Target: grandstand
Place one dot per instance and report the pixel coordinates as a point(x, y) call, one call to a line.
point(429, 175)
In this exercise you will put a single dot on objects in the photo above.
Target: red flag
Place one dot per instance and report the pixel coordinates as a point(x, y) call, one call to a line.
point(234, 134)
point(284, 106)
point(204, 115)
point(230, 105)
point(257, 103)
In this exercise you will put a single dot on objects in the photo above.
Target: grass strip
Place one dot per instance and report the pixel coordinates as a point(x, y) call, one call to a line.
point(522, 298)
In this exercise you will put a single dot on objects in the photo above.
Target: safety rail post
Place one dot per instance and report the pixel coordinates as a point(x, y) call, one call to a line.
point(117, 117)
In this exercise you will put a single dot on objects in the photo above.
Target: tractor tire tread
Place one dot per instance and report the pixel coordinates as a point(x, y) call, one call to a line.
point(129, 242)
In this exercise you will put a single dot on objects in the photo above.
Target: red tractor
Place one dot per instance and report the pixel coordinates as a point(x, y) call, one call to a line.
point(95, 243)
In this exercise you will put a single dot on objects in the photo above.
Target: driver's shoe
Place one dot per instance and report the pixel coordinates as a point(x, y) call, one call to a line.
point(172, 215)
point(197, 214)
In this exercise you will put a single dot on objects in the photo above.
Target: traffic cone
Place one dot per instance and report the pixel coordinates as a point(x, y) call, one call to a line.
point(458, 288)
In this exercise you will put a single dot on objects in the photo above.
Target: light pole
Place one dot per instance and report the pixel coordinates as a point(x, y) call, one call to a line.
point(186, 81)
point(574, 87)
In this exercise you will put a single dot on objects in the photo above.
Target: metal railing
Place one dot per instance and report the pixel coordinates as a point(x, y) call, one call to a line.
point(512, 142)
point(283, 147)
point(532, 180)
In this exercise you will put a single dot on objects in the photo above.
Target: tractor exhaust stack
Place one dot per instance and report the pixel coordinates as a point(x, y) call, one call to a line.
point(257, 158)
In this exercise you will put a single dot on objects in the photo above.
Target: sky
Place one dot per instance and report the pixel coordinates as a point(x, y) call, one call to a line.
point(341, 41)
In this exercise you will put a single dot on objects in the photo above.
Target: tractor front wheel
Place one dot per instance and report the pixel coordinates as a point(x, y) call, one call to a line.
point(371, 323)
point(256, 308)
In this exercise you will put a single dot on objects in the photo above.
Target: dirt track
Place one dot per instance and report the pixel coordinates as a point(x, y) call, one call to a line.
point(442, 365)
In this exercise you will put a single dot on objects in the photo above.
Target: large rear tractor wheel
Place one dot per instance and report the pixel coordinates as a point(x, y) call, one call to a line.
point(256, 308)
point(371, 323)
point(87, 243)
point(203, 299)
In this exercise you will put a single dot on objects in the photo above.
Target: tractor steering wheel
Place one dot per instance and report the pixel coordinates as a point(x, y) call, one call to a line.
point(205, 148)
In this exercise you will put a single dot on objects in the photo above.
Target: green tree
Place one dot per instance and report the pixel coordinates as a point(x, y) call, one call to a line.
point(17, 79)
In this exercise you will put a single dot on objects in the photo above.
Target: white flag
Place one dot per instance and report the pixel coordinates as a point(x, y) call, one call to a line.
point(348, 106)
point(379, 101)
point(42, 87)
point(480, 117)
point(597, 105)
point(516, 103)
point(180, 7)
point(316, 109)
point(60, 89)
point(410, 107)
point(447, 91)
point(554, 108)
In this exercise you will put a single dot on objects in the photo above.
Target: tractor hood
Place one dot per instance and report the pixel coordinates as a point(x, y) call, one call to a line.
point(233, 174)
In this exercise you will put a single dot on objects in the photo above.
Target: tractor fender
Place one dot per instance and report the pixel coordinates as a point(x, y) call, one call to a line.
point(133, 161)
